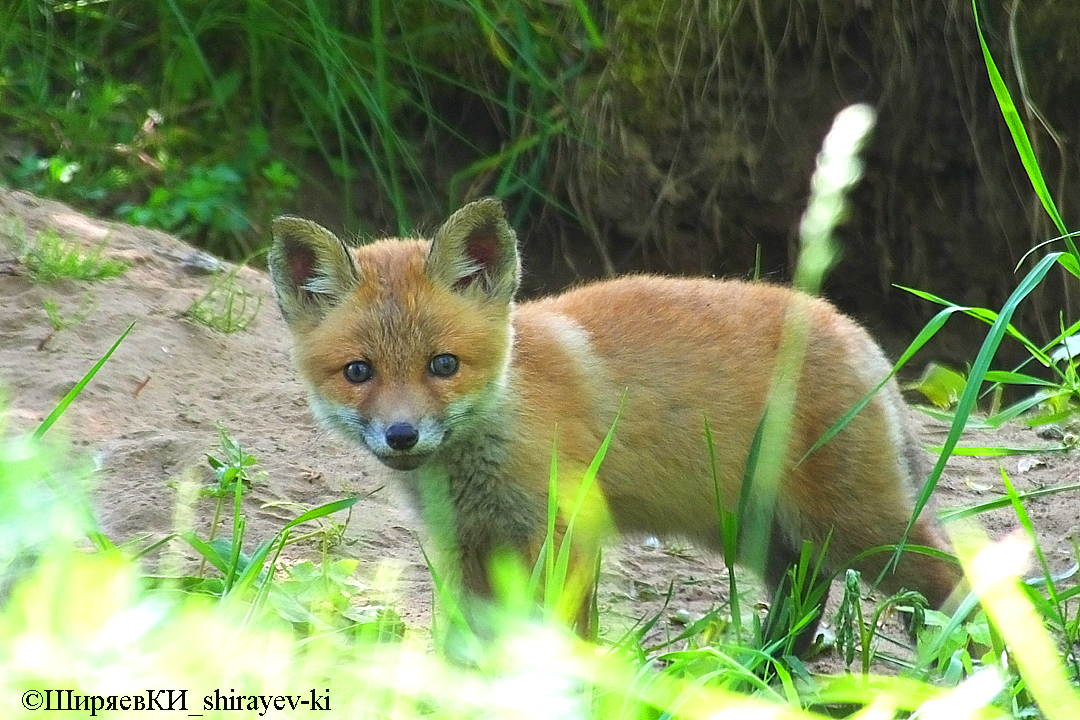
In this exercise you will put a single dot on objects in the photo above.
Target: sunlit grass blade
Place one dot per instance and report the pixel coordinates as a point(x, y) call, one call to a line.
point(975, 379)
point(1074, 591)
point(448, 599)
point(997, 451)
point(239, 525)
point(322, 511)
point(74, 392)
point(247, 572)
point(1015, 378)
point(994, 571)
point(558, 589)
point(1054, 417)
point(885, 696)
point(1069, 262)
point(208, 551)
point(93, 530)
point(1020, 137)
point(1010, 413)
point(988, 317)
point(546, 562)
point(1002, 502)
point(1029, 528)
point(728, 522)
point(159, 543)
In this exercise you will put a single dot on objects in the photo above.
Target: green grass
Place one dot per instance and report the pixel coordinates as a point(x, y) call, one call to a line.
point(277, 631)
point(205, 119)
point(225, 307)
point(93, 621)
point(49, 258)
point(59, 321)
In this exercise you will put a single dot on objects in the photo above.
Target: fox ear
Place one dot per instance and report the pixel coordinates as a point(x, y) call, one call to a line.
point(475, 251)
point(310, 267)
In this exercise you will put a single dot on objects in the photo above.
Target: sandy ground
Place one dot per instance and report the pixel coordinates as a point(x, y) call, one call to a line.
point(149, 418)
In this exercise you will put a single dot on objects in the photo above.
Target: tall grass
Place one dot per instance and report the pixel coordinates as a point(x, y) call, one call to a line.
point(88, 622)
point(204, 118)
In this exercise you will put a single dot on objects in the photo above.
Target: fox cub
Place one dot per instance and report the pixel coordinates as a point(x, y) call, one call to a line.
point(417, 350)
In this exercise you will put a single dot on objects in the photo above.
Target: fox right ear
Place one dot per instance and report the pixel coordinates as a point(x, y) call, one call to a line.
point(310, 267)
point(475, 252)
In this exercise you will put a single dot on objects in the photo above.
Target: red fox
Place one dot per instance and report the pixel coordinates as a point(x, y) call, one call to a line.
point(417, 350)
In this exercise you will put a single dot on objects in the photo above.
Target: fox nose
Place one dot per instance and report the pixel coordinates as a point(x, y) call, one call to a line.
point(401, 436)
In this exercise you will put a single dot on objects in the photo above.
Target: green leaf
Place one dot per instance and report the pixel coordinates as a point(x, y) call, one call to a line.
point(207, 550)
point(941, 385)
point(1015, 378)
point(982, 451)
point(322, 511)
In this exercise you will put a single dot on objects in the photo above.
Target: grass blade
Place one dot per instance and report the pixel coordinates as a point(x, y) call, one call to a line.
point(988, 317)
point(997, 451)
point(975, 380)
point(74, 392)
point(207, 550)
point(322, 511)
point(1019, 135)
point(995, 572)
point(1015, 378)
point(596, 38)
point(959, 513)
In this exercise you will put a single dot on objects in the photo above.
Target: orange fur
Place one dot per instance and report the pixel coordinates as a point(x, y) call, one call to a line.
point(555, 372)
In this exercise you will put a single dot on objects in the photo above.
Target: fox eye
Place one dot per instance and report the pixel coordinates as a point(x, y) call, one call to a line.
point(358, 371)
point(443, 365)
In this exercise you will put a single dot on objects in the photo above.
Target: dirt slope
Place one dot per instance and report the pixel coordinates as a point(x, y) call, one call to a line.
point(150, 416)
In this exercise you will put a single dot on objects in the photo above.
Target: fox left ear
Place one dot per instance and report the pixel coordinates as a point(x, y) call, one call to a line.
point(476, 250)
point(310, 267)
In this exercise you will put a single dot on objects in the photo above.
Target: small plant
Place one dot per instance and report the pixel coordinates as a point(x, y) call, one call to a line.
point(949, 645)
point(207, 197)
point(329, 532)
point(49, 258)
point(58, 321)
point(225, 306)
point(230, 472)
point(854, 632)
point(322, 597)
point(241, 573)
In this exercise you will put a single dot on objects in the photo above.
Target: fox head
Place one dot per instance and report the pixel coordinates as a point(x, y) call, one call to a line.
point(403, 344)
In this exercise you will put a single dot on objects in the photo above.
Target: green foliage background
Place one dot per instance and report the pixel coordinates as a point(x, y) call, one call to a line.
point(205, 118)
point(639, 135)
